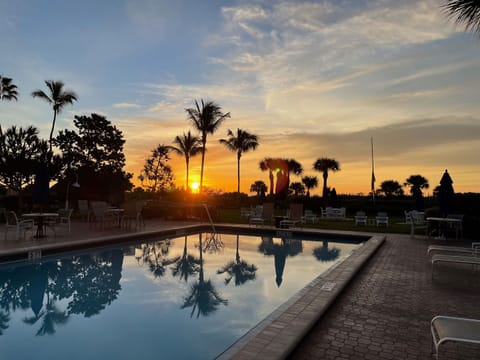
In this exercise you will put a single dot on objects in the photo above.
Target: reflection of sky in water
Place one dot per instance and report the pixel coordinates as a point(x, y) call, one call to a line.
point(140, 315)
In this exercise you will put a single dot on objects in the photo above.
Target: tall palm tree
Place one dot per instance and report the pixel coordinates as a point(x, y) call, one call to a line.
point(241, 143)
point(324, 165)
point(466, 12)
point(206, 120)
point(8, 90)
point(294, 167)
point(188, 146)
point(264, 165)
point(310, 182)
point(58, 98)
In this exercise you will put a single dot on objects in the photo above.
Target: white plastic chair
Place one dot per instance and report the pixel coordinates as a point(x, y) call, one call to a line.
point(64, 216)
point(360, 218)
point(381, 218)
point(17, 225)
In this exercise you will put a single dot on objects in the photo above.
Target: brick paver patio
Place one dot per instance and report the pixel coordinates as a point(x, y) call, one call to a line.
point(386, 310)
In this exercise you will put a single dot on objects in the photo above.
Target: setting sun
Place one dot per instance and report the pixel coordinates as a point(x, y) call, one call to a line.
point(195, 187)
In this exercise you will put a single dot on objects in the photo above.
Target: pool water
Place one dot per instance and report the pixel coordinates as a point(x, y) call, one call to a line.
point(189, 297)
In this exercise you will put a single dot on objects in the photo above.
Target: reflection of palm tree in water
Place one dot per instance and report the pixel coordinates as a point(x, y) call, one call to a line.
point(154, 256)
point(186, 264)
point(50, 315)
point(238, 269)
point(4, 319)
point(324, 254)
point(202, 296)
point(287, 247)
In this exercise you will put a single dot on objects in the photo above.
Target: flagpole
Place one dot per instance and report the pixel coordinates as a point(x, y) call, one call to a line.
point(373, 174)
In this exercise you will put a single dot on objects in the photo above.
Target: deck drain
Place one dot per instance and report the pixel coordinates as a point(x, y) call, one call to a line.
point(328, 286)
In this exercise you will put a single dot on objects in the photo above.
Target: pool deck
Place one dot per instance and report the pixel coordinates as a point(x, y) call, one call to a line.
point(377, 304)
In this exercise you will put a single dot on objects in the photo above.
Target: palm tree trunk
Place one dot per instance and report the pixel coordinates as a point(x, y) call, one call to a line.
point(51, 131)
point(187, 160)
point(238, 172)
point(270, 174)
point(325, 177)
point(204, 143)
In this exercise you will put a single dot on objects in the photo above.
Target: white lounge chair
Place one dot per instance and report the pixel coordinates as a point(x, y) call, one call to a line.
point(455, 259)
point(448, 328)
point(474, 249)
point(381, 219)
point(360, 218)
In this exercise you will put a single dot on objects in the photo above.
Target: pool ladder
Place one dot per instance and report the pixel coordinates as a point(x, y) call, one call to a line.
point(209, 217)
point(213, 242)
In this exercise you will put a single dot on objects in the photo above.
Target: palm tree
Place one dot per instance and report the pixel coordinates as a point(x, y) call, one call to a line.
point(241, 143)
point(294, 167)
point(416, 184)
point(258, 186)
point(188, 146)
point(298, 188)
point(58, 98)
point(310, 182)
point(324, 165)
point(466, 12)
point(391, 188)
point(8, 90)
point(264, 165)
point(206, 120)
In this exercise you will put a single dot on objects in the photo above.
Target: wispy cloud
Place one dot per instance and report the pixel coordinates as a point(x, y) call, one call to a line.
point(126, 106)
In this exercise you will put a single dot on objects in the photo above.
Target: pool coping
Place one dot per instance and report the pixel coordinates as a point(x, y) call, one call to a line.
point(276, 336)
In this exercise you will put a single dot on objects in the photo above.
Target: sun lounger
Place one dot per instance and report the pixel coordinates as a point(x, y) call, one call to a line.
point(456, 259)
point(475, 249)
point(447, 328)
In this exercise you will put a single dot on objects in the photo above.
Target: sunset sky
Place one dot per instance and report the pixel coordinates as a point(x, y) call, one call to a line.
point(311, 79)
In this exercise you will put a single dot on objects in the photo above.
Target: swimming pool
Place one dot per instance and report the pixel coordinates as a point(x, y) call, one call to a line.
point(161, 299)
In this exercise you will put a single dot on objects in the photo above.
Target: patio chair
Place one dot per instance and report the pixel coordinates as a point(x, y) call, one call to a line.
point(245, 212)
point(309, 217)
point(12, 222)
point(381, 219)
point(84, 210)
point(64, 216)
point(449, 328)
point(417, 222)
point(360, 218)
point(132, 213)
point(295, 216)
point(266, 215)
point(101, 214)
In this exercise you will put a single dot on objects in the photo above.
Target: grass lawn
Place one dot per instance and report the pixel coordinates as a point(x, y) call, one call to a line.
point(395, 223)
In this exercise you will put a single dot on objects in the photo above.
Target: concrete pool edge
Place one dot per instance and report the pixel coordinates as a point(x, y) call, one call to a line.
point(278, 335)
